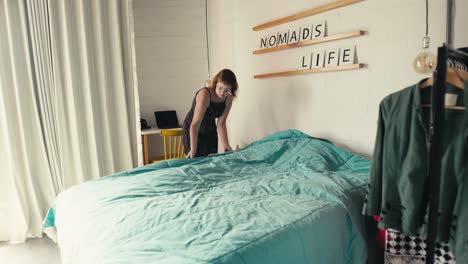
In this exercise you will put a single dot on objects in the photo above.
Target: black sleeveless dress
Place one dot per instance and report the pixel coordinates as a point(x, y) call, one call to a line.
point(207, 133)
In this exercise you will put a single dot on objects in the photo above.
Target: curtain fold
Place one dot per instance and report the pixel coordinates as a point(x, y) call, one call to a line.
point(68, 103)
point(26, 181)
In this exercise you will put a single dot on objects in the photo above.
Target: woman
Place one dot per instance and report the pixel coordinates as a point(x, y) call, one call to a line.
point(200, 132)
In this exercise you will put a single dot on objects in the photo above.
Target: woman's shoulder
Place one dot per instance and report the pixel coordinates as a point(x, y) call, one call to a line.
point(204, 90)
point(203, 95)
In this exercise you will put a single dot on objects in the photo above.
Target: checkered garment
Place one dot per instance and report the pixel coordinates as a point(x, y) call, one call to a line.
point(403, 249)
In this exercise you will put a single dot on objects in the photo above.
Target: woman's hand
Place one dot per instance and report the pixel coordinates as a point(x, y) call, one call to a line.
point(227, 148)
point(190, 155)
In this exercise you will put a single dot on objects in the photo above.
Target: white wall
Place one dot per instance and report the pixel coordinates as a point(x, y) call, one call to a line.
point(170, 47)
point(340, 106)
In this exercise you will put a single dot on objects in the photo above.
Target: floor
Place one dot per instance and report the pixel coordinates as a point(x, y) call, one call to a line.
point(34, 251)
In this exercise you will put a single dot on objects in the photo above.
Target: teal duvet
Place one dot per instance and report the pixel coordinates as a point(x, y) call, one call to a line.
point(287, 198)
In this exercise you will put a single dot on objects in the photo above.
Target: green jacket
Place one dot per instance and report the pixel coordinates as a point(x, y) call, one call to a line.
point(459, 242)
point(398, 182)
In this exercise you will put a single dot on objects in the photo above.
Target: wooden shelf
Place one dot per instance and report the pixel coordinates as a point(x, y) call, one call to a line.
point(346, 35)
point(326, 69)
point(310, 12)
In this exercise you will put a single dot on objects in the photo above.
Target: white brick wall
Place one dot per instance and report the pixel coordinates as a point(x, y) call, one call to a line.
point(171, 56)
point(340, 106)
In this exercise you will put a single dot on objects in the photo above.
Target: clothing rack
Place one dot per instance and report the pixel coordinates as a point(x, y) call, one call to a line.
point(435, 152)
point(444, 54)
point(436, 131)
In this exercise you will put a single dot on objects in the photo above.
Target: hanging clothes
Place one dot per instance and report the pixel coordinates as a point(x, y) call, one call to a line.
point(459, 228)
point(398, 190)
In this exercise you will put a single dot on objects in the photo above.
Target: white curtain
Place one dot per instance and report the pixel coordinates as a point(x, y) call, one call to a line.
point(68, 102)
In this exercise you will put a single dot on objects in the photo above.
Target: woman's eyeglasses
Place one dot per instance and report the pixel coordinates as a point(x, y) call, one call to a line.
point(224, 90)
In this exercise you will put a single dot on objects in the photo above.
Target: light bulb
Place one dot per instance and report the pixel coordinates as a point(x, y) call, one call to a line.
point(425, 62)
point(208, 82)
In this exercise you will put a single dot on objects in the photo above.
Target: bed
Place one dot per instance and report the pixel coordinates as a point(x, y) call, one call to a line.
point(287, 198)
